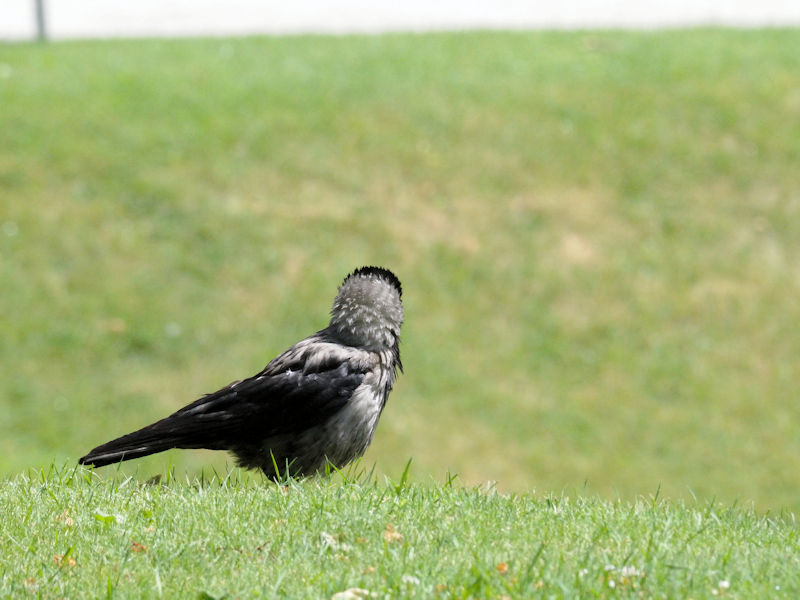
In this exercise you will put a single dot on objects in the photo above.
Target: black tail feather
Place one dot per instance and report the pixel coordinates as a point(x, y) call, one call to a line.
point(166, 434)
point(98, 458)
point(133, 445)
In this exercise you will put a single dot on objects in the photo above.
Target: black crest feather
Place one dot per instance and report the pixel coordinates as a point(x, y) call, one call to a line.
point(378, 272)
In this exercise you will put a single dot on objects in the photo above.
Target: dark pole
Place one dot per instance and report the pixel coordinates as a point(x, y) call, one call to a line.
point(41, 31)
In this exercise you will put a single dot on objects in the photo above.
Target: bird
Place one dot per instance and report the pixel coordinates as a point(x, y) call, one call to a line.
point(313, 407)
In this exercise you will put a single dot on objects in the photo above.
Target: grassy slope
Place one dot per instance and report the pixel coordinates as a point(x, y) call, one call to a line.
point(598, 233)
point(68, 534)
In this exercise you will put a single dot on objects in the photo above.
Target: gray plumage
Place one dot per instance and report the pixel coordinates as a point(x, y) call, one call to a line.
point(317, 403)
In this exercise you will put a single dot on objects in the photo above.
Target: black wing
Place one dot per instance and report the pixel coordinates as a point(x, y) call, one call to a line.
point(245, 412)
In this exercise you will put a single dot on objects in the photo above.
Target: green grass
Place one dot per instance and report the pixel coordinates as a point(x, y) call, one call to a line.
point(68, 533)
point(598, 235)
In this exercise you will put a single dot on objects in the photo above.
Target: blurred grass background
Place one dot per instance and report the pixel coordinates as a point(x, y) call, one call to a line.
point(598, 234)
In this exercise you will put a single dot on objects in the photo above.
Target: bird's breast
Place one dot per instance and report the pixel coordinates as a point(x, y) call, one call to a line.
point(347, 433)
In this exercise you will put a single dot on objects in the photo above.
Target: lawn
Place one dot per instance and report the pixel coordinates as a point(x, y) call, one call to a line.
point(598, 235)
point(68, 533)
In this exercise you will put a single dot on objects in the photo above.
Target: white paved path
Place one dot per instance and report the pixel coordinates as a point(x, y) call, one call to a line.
point(104, 18)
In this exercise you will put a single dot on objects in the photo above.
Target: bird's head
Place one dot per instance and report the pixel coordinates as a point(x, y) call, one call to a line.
point(368, 311)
